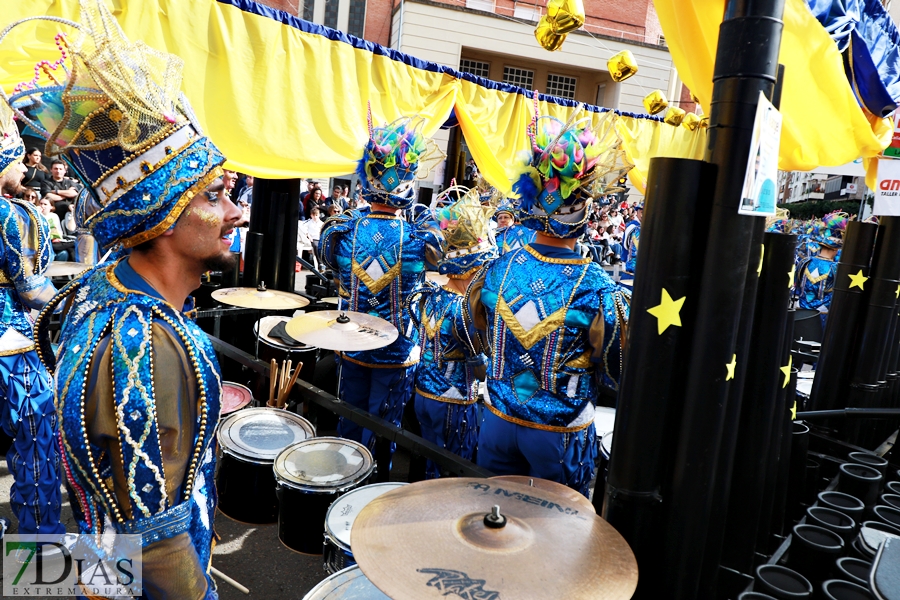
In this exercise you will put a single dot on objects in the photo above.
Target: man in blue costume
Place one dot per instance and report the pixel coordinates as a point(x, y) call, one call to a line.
point(510, 234)
point(137, 382)
point(632, 238)
point(379, 259)
point(28, 414)
point(551, 321)
point(815, 276)
point(448, 375)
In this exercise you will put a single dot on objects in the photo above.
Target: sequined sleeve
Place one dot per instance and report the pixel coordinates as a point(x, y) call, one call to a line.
point(475, 316)
point(26, 252)
point(170, 566)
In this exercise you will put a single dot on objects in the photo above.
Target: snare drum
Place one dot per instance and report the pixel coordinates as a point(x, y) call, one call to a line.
point(310, 476)
point(274, 347)
point(249, 441)
point(339, 520)
point(349, 584)
point(234, 397)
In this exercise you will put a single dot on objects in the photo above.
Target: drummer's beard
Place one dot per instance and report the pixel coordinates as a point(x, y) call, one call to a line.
point(221, 262)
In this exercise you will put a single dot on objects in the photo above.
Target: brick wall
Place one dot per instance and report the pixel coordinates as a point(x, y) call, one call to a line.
point(378, 21)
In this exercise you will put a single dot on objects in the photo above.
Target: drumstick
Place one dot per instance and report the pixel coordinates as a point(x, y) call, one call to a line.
point(287, 390)
point(273, 373)
point(217, 573)
point(285, 377)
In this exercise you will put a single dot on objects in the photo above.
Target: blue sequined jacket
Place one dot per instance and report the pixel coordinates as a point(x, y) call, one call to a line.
point(513, 238)
point(815, 282)
point(25, 252)
point(447, 372)
point(554, 331)
point(138, 395)
point(631, 240)
point(378, 260)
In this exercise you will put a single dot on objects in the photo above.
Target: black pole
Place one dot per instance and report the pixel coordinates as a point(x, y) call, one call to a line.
point(832, 380)
point(274, 213)
point(746, 64)
point(676, 218)
point(709, 574)
point(759, 418)
point(253, 258)
point(778, 454)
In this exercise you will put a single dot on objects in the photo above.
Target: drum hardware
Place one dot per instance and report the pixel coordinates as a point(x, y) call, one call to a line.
point(310, 475)
point(414, 541)
point(340, 330)
point(283, 379)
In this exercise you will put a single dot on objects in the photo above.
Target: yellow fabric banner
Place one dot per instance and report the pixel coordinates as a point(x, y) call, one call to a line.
point(823, 123)
point(281, 102)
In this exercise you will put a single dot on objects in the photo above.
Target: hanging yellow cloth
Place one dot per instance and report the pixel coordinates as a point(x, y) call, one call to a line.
point(280, 101)
point(823, 123)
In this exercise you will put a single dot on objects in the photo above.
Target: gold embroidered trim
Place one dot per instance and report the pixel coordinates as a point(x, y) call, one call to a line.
point(555, 261)
point(582, 362)
point(15, 351)
point(525, 423)
point(445, 400)
point(532, 336)
point(382, 282)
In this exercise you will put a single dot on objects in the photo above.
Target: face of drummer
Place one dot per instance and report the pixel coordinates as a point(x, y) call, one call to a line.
point(202, 233)
point(504, 219)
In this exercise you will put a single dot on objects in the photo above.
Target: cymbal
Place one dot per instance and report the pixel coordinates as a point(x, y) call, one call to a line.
point(59, 268)
point(341, 330)
point(550, 486)
point(264, 300)
point(424, 540)
point(436, 277)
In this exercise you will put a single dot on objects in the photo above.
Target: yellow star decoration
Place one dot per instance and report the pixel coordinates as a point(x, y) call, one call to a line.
point(667, 312)
point(791, 276)
point(897, 293)
point(786, 369)
point(857, 280)
point(762, 255)
point(794, 411)
point(730, 366)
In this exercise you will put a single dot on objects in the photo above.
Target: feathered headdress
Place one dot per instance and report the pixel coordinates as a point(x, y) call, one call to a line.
point(11, 148)
point(464, 223)
point(395, 156)
point(569, 164)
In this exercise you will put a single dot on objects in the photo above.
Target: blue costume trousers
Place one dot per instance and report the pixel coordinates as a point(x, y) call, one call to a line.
point(29, 417)
point(382, 392)
point(509, 449)
point(453, 427)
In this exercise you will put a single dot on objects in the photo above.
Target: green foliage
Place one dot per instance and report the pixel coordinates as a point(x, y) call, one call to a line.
point(816, 209)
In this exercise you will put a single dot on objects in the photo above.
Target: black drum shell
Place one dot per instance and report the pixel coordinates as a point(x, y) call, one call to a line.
point(246, 490)
point(301, 517)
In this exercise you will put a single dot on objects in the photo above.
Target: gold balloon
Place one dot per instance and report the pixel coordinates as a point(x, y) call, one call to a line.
point(691, 121)
point(674, 116)
point(694, 99)
point(621, 66)
point(655, 102)
point(545, 36)
point(704, 122)
point(565, 15)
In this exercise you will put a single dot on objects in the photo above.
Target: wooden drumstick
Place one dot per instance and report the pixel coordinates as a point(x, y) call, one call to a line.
point(287, 390)
point(285, 377)
point(273, 373)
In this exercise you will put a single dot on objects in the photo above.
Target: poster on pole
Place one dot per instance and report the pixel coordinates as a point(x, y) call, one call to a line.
point(887, 190)
point(759, 191)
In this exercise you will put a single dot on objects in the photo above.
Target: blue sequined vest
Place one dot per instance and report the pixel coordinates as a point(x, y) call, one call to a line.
point(101, 306)
point(816, 282)
point(545, 354)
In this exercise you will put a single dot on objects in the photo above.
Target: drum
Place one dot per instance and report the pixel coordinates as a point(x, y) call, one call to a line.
point(807, 325)
point(349, 584)
point(249, 441)
point(605, 453)
point(310, 475)
point(339, 520)
point(234, 397)
point(271, 346)
point(604, 420)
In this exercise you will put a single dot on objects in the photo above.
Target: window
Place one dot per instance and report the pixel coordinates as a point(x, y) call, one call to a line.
point(527, 12)
point(331, 13)
point(523, 78)
point(309, 6)
point(357, 23)
point(475, 67)
point(485, 5)
point(560, 85)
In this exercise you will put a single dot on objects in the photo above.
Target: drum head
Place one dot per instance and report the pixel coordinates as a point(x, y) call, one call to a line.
point(606, 444)
point(235, 397)
point(604, 420)
point(323, 464)
point(343, 511)
point(259, 434)
point(349, 584)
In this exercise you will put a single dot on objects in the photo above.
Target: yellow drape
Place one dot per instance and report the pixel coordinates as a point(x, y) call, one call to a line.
point(823, 123)
point(281, 102)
